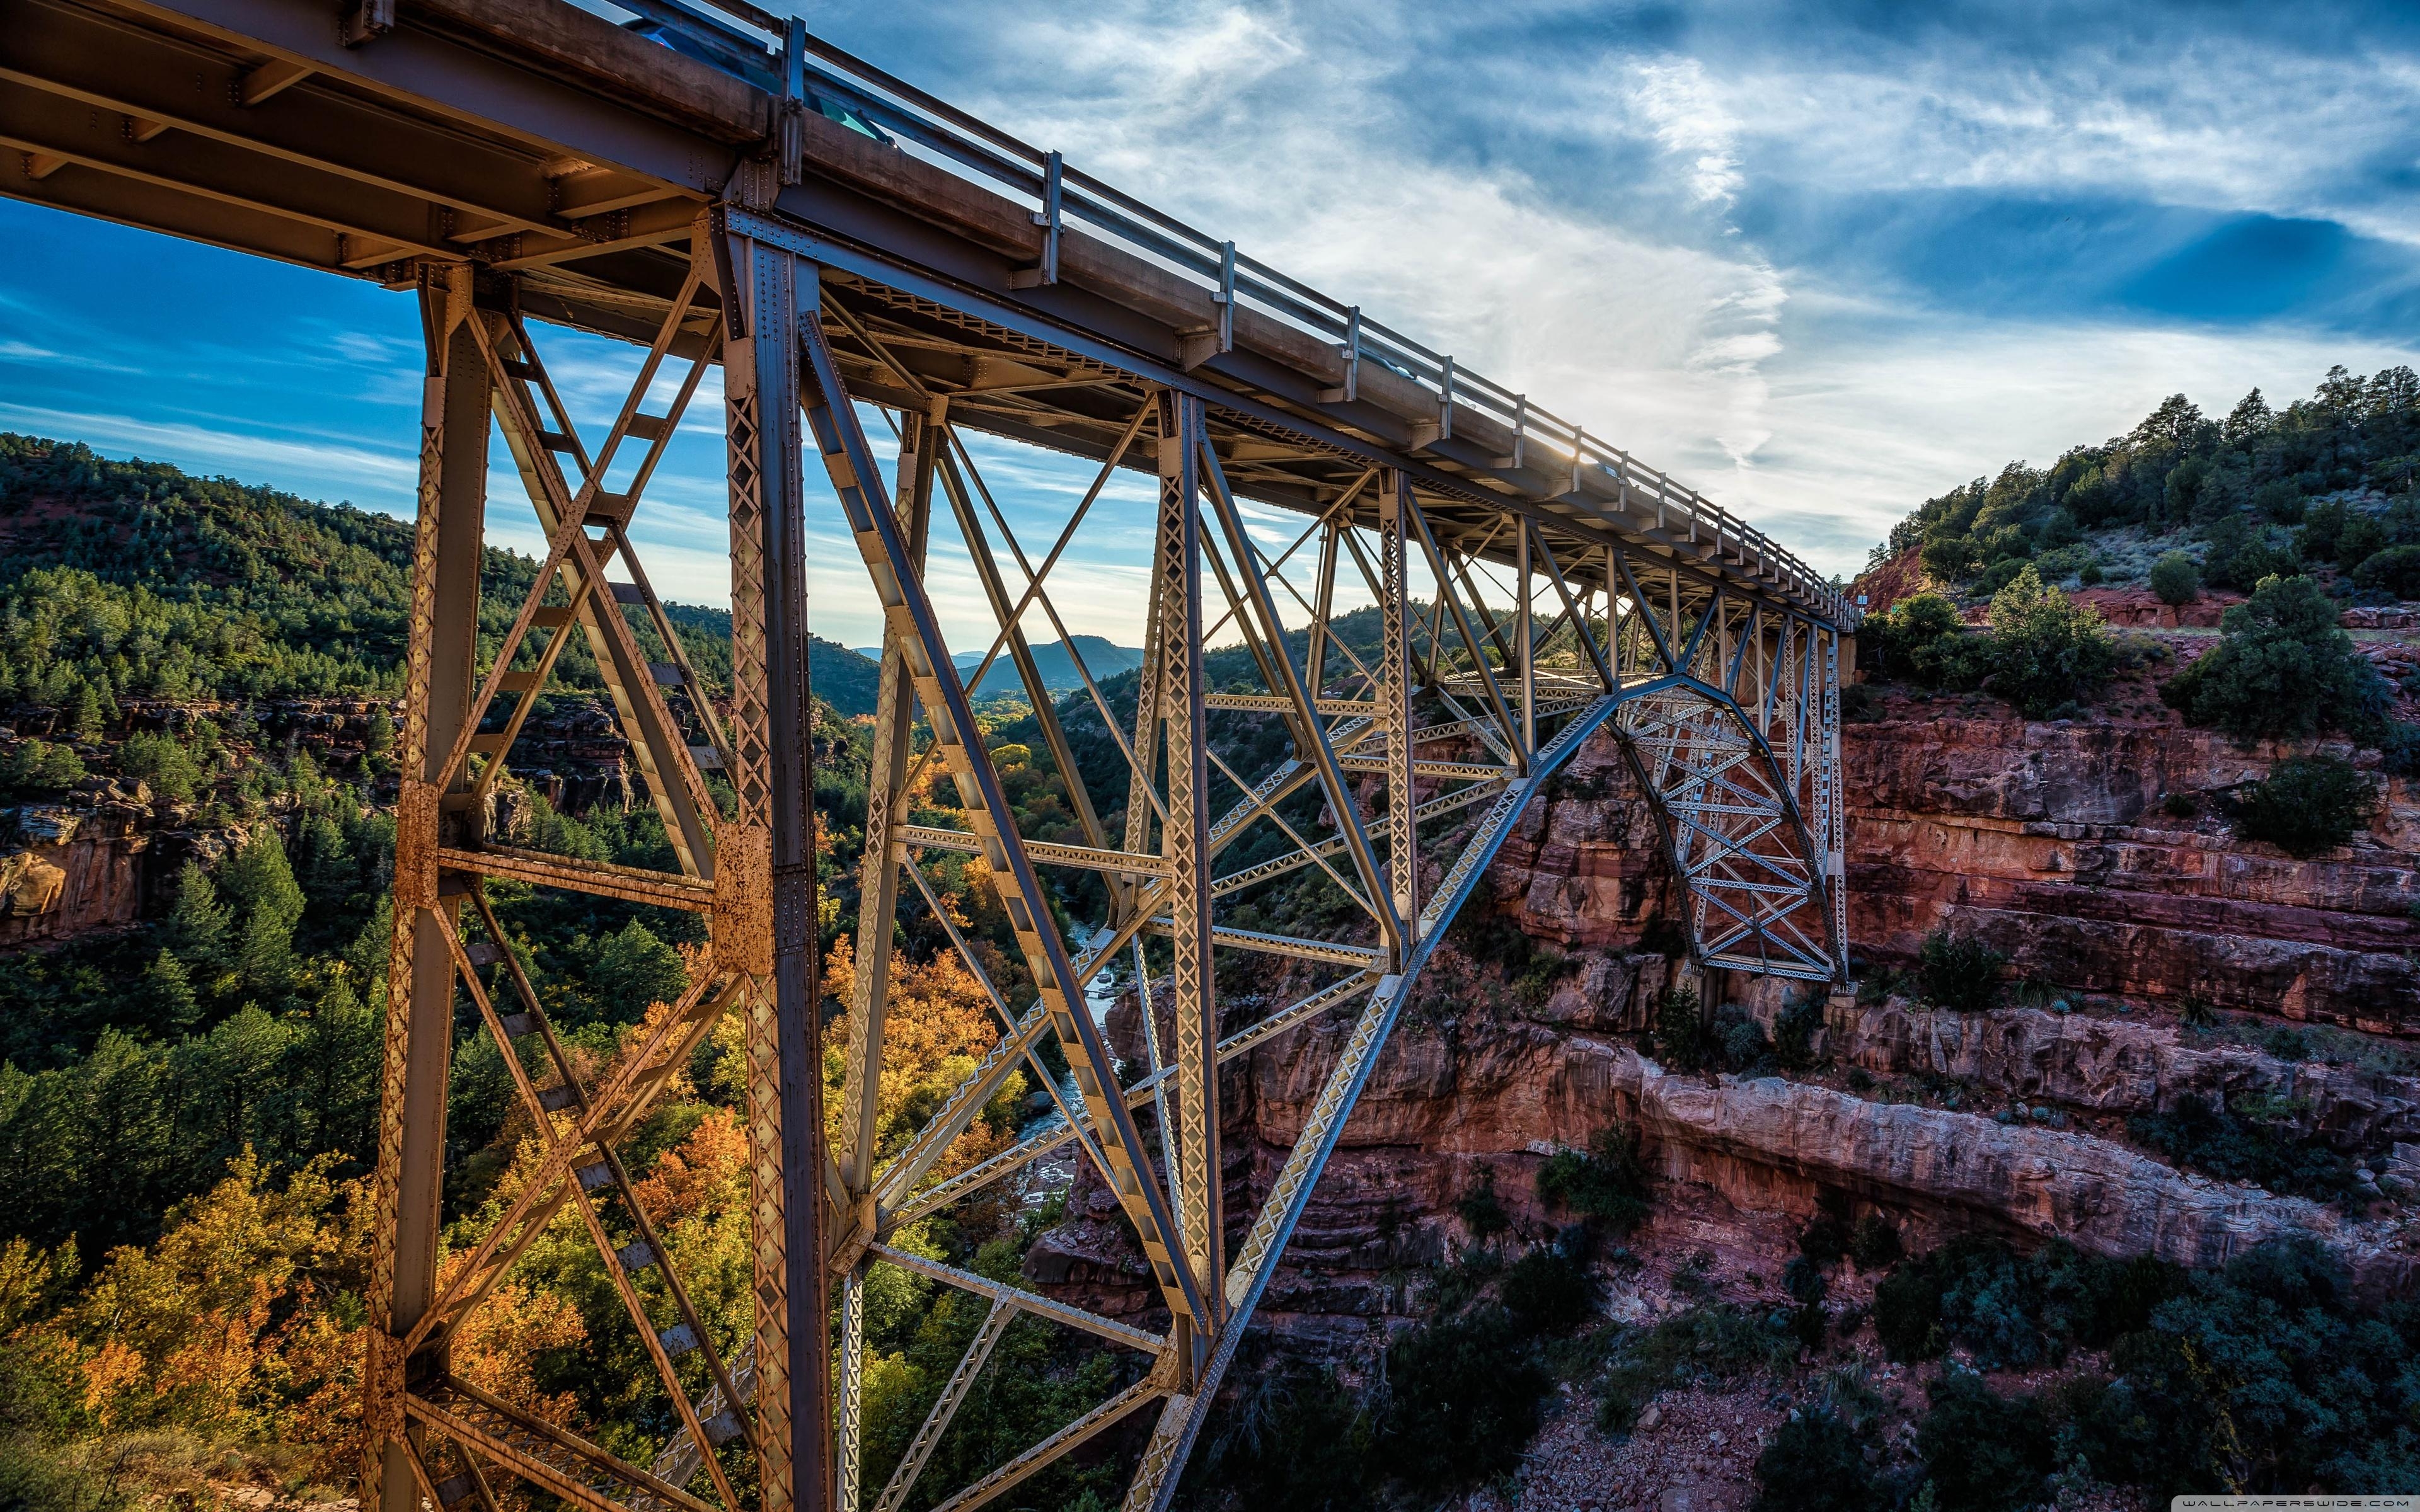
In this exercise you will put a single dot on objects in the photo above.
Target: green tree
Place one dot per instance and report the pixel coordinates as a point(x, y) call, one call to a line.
point(260, 881)
point(37, 767)
point(2308, 806)
point(631, 969)
point(167, 993)
point(1611, 1183)
point(159, 759)
point(1987, 1453)
point(198, 924)
point(2175, 579)
point(2047, 651)
point(1922, 640)
point(2282, 670)
point(1461, 1401)
point(84, 715)
point(1815, 1463)
point(2395, 570)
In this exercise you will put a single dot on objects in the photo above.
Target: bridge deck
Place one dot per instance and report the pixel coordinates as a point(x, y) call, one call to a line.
point(537, 139)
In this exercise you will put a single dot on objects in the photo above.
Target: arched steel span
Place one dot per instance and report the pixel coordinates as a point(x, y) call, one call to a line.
point(731, 191)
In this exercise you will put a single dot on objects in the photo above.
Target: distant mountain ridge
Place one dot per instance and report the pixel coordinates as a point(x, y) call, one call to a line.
point(1102, 658)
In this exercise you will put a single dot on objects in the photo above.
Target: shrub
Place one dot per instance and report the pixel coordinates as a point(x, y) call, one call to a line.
point(159, 761)
point(1293, 1441)
point(2000, 574)
point(2282, 670)
point(1702, 1346)
point(1547, 1291)
point(34, 767)
point(2046, 650)
point(1683, 1033)
point(2175, 578)
point(2239, 555)
point(2400, 749)
point(2306, 806)
point(1825, 1238)
point(1815, 1463)
point(1461, 1402)
point(1801, 1281)
point(1483, 1212)
point(2395, 570)
point(1907, 1313)
point(1793, 1033)
point(1609, 1184)
point(2280, 500)
point(1921, 641)
point(2008, 1309)
point(1985, 1452)
point(2254, 1138)
point(1949, 556)
point(1875, 1243)
point(2323, 526)
point(2262, 1378)
point(1959, 973)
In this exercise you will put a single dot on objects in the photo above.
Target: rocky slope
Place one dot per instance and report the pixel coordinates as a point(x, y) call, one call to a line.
point(2050, 839)
point(107, 853)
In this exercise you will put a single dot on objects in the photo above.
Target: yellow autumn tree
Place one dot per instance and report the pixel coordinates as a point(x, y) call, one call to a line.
point(937, 1023)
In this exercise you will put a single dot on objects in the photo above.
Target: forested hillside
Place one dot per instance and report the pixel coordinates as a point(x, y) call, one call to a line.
point(2284, 531)
point(203, 674)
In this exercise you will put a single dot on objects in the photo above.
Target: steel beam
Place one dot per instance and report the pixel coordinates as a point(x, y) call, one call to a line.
point(438, 682)
point(771, 907)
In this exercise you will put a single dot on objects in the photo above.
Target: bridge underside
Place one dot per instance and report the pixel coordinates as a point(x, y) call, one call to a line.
point(850, 253)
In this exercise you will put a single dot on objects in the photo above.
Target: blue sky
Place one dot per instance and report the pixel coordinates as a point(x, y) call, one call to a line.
point(1823, 261)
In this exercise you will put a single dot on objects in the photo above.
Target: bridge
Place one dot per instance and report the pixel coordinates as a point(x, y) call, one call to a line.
point(720, 189)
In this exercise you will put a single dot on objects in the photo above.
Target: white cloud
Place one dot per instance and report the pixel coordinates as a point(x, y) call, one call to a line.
point(206, 447)
point(1870, 428)
point(1689, 119)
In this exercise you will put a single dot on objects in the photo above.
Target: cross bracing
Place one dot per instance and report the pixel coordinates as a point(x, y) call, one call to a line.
point(877, 276)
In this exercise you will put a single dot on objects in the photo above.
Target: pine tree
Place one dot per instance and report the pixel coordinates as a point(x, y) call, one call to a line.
point(200, 924)
point(86, 717)
point(168, 992)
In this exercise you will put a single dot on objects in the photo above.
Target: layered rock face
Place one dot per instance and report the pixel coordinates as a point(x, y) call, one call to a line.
point(2049, 839)
point(108, 854)
point(75, 869)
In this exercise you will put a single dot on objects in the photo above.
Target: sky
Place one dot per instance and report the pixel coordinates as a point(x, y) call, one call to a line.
point(1821, 261)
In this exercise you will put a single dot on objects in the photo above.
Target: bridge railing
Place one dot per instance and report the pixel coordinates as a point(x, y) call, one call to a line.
point(778, 54)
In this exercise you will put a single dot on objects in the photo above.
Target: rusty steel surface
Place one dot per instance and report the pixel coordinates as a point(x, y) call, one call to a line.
point(839, 243)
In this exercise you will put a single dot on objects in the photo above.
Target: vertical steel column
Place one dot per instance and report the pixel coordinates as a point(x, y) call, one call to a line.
point(1185, 840)
point(1528, 668)
point(1395, 701)
point(921, 440)
point(439, 685)
point(1323, 609)
point(1832, 834)
point(764, 881)
point(885, 797)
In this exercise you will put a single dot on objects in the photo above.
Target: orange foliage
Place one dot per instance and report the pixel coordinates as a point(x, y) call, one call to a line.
point(938, 1023)
point(493, 1347)
point(707, 1170)
point(223, 1326)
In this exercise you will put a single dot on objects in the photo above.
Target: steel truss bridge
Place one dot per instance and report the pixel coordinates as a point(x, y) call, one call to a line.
point(721, 188)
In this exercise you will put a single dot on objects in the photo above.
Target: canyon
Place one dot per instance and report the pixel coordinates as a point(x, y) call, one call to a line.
point(2054, 842)
point(2051, 841)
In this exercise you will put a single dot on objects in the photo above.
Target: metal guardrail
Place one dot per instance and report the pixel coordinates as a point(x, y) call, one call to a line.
point(786, 60)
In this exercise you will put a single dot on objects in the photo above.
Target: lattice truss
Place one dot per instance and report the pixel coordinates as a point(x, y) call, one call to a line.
point(1405, 755)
